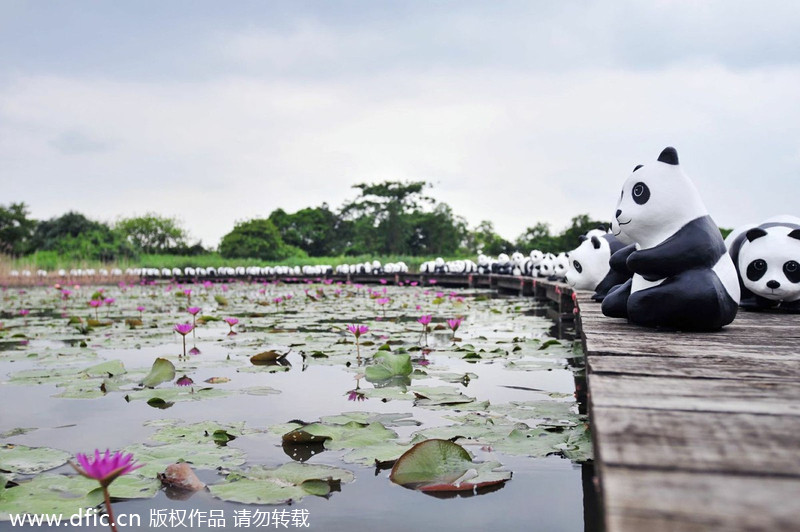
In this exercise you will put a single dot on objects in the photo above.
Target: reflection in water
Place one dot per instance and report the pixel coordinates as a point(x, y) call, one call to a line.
point(302, 452)
point(465, 494)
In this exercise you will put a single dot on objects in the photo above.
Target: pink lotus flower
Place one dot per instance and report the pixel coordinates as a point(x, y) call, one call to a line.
point(231, 322)
point(24, 312)
point(425, 319)
point(184, 381)
point(140, 308)
point(193, 310)
point(358, 330)
point(184, 328)
point(454, 323)
point(105, 468)
point(94, 303)
point(109, 301)
point(383, 300)
point(194, 351)
point(382, 281)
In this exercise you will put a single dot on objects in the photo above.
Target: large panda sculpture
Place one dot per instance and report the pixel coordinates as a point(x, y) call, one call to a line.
point(589, 262)
point(767, 257)
point(683, 277)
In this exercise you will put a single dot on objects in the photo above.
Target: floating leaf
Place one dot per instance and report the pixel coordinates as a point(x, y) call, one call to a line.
point(289, 482)
point(441, 465)
point(268, 357)
point(387, 365)
point(162, 371)
point(29, 460)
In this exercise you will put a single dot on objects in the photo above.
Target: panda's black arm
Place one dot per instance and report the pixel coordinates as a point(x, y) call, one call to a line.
point(697, 244)
point(619, 259)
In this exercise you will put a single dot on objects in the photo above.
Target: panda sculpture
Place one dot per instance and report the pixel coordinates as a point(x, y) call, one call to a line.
point(767, 258)
point(589, 262)
point(503, 265)
point(683, 277)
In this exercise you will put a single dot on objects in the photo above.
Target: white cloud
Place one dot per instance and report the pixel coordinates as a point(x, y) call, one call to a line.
point(514, 139)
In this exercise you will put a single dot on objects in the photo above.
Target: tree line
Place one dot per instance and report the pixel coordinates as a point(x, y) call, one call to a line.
point(387, 218)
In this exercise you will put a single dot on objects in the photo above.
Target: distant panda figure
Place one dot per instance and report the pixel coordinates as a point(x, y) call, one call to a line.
point(547, 266)
point(767, 258)
point(589, 262)
point(560, 266)
point(439, 266)
point(517, 263)
point(683, 276)
point(484, 264)
point(503, 265)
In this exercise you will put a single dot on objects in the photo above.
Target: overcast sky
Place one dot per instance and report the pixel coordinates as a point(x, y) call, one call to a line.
point(517, 112)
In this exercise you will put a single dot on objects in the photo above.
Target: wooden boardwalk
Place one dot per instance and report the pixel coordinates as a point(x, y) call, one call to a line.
point(695, 431)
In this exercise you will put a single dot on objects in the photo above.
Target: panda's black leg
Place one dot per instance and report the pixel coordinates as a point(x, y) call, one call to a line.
point(615, 304)
point(694, 300)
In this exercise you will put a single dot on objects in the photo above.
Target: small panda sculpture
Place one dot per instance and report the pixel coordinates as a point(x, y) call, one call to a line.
point(683, 277)
point(767, 258)
point(589, 262)
point(503, 265)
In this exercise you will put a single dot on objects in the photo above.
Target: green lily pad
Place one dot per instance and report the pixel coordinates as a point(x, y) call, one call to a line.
point(441, 465)
point(30, 460)
point(387, 365)
point(162, 371)
point(287, 483)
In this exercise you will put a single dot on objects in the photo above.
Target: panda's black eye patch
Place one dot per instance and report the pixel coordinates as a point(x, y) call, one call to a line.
point(577, 266)
point(756, 269)
point(640, 193)
point(792, 271)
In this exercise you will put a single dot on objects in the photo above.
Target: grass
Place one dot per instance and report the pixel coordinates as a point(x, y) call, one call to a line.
point(51, 261)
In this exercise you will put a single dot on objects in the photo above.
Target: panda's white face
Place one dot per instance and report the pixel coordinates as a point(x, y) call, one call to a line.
point(502, 258)
point(770, 265)
point(588, 264)
point(536, 256)
point(656, 201)
point(546, 267)
point(517, 258)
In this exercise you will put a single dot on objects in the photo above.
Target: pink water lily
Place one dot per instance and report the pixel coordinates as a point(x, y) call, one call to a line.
point(184, 381)
point(95, 303)
point(194, 311)
point(24, 312)
point(183, 329)
point(105, 469)
point(357, 331)
point(425, 320)
point(454, 323)
point(231, 322)
point(140, 308)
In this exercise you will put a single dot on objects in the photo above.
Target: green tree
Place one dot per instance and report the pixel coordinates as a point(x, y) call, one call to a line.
point(152, 233)
point(256, 239)
point(570, 238)
point(317, 231)
point(385, 211)
point(74, 235)
point(438, 232)
point(484, 239)
point(16, 229)
point(538, 237)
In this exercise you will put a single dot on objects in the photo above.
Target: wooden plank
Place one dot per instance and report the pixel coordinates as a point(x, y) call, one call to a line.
point(722, 365)
point(701, 395)
point(655, 501)
point(719, 442)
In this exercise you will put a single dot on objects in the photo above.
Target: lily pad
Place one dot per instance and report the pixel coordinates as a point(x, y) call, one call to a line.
point(441, 465)
point(387, 365)
point(287, 483)
point(30, 460)
point(162, 371)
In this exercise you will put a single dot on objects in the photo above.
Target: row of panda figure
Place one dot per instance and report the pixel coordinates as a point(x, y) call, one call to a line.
point(537, 264)
point(665, 263)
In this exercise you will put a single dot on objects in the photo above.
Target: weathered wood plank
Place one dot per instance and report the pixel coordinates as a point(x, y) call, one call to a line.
point(695, 395)
point(718, 442)
point(655, 501)
point(708, 366)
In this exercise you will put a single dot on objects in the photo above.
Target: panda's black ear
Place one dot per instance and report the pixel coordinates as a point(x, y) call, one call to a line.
point(795, 234)
point(754, 233)
point(596, 242)
point(669, 156)
point(582, 238)
point(603, 227)
point(637, 167)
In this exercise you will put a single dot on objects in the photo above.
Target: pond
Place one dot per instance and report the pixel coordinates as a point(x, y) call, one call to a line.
point(499, 385)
